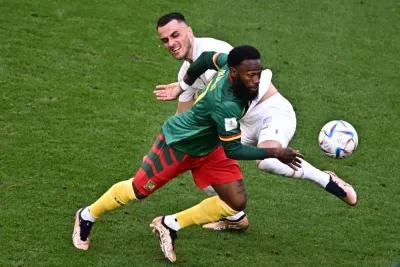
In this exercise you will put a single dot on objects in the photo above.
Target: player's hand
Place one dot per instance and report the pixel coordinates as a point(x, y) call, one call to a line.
point(168, 92)
point(288, 156)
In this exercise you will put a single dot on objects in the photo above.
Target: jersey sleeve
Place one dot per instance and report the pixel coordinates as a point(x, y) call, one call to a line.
point(182, 71)
point(190, 93)
point(220, 60)
point(209, 75)
point(206, 61)
point(227, 117)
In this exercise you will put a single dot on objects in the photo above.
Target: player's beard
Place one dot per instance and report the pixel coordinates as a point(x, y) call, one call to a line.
point(242, 92)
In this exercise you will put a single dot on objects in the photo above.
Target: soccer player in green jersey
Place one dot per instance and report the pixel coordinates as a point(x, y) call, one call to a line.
point(204, 140)
point(270, 120)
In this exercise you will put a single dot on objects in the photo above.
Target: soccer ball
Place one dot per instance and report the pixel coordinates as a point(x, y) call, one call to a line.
point(338, 139)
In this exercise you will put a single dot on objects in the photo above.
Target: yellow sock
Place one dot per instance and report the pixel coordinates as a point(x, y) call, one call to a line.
point(118, 195)
point(209, 210)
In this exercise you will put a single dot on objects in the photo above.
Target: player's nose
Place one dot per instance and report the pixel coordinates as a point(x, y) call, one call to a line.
point(256, 79)
point(171, 44)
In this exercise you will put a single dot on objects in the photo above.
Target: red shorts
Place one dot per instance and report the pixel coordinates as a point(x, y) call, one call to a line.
point(163, 163)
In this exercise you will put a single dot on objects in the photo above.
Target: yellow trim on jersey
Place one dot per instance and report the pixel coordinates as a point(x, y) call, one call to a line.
point(244, 109)
point(215, 58)
point(231, 137)
point(202, 94)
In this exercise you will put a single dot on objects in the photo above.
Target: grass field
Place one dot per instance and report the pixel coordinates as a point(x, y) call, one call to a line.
point(77, 114)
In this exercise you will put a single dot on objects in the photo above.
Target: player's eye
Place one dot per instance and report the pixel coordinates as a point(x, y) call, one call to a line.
point(164, 40)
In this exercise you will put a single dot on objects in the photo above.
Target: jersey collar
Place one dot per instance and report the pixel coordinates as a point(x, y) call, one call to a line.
point(196, 50)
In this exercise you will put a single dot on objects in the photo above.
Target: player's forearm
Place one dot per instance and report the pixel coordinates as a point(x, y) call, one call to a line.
point(236, 150)
point(199, 66)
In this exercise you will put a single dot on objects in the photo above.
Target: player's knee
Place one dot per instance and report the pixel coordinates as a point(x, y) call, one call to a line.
point(258, 163)
point(239, 203)
point(137, 192)
point(267, 165)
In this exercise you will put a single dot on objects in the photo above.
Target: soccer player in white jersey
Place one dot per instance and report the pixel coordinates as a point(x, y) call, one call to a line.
point(269, 122)
point(177, 37)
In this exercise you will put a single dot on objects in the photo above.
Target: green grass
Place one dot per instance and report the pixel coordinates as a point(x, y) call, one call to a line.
point(77, 114)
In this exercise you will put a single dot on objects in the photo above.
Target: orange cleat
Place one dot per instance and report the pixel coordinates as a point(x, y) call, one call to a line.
point(225, 224)
point(166, 238)
point(345, 191)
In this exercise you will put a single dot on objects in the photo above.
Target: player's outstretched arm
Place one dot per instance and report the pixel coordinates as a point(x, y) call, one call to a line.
point(234, 149)
point(226, 117)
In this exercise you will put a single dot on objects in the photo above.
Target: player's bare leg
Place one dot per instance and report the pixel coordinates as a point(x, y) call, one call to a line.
point(237, 222)
point(184, 106)
point(328, 180)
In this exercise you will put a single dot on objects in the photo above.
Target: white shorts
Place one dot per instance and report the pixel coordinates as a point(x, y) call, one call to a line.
point(274, 119)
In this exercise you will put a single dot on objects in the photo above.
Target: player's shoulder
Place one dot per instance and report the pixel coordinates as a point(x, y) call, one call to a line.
point(203, 44)
point(229, 103)
point(231, 108)
point(210, 41)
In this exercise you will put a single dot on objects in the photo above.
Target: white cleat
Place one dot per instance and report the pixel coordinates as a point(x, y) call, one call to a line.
point(166, 238)
point(351, 195)
point(76, 234)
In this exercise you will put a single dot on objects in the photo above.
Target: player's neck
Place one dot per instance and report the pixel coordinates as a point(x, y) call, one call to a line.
point(270, 92)
point(189, 57)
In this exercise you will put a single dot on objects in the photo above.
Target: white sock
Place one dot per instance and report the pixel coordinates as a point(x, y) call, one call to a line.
point(86, 215)
point(210, 191)
point(307, 171)
point(236, 216)
point(172, 222)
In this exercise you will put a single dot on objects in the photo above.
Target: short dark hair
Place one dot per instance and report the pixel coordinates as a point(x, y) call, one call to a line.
point(167, 18)
point(240, 53)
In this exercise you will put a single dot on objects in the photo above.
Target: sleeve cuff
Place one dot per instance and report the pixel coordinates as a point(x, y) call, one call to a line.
point(183, 85)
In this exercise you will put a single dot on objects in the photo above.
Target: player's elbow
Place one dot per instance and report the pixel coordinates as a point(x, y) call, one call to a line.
point(232, 149)
point(231, 154)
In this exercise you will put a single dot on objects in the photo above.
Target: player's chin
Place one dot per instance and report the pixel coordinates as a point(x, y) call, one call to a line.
point(178, 56)
point(252, 94)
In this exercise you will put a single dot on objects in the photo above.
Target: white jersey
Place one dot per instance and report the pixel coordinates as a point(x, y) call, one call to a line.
point(201, 45)
point(272, 120)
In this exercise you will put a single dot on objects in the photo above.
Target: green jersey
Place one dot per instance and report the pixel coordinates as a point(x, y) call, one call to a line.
point(214, 118)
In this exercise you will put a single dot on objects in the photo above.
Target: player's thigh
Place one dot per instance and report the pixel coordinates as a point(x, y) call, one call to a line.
point(161, 165)
point(184, 106)
point(277, 128)
point(186, 99)
point(218, 171)
point(249, 133)
point(188, 95)
point(215, 168)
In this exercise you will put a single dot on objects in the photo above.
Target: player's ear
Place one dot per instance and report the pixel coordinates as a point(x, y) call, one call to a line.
point(233, 72)
point(190, 30)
